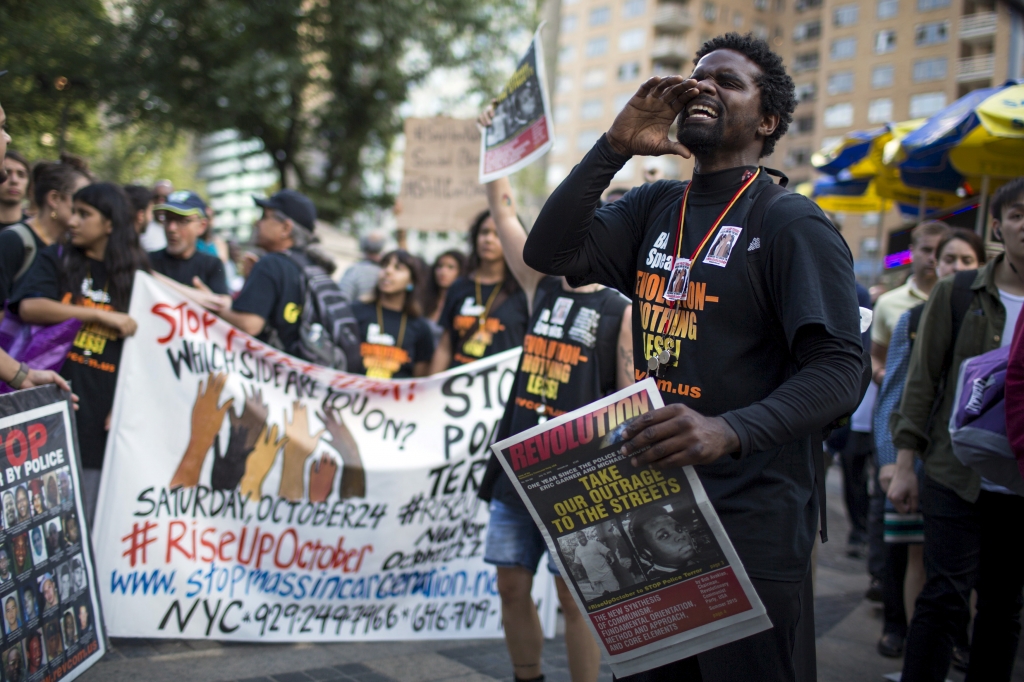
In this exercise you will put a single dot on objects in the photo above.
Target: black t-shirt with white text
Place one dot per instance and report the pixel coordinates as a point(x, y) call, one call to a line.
point(91, 364)
point(728, 356)
point(274, 292)
point(390, 353)
point(209, 269)
point(502, 329)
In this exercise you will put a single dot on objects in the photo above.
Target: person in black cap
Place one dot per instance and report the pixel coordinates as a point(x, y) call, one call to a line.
point(183, 217)
point(270, 303)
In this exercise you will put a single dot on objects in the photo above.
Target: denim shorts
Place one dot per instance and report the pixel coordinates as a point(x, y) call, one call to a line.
point(513, 539)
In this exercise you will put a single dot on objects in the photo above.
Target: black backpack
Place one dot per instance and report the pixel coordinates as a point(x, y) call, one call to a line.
point(328, 331)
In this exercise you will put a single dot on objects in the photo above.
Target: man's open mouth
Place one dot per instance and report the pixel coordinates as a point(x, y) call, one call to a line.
point(699, 112)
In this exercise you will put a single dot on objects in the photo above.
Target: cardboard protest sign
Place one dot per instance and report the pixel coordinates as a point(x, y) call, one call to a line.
point(439, 178)
point(48, 592)
point(642, 549)
point(249, 495)
point(522, 130)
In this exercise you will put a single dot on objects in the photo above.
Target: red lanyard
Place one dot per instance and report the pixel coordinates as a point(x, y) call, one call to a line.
point(714, 227)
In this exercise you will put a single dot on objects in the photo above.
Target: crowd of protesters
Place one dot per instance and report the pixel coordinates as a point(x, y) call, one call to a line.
point(777, 358)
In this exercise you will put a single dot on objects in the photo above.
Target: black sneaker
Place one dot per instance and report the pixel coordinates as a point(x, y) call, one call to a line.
point(874, 592)
point(961, 657)
point(891, 645)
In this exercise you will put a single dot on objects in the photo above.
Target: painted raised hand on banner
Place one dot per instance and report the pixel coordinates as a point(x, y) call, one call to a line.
point(297, 450)
point(207, 419)
point(245, 429)
point(260, 460)
point(321, 478)
point(353, 476)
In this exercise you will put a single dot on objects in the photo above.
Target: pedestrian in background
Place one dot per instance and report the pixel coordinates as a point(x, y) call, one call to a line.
point(14, 190)
point(447, 268)
point(360, 279)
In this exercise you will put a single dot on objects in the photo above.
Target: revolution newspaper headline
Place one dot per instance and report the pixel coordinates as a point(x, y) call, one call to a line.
point(249, 495)
point(642, 549)
point(53, 629)
point(522, 130)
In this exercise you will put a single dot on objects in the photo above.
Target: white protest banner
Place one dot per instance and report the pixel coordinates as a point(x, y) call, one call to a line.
point(248, 495)
point(522, 130)
point(439, 175)
point(47, 585)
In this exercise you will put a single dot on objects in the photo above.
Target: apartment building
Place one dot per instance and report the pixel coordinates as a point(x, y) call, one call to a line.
point(857, 64)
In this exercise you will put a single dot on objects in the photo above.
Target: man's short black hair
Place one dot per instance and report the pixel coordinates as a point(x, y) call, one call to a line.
point(1005, 195)
point(778, 93)
point(140, 196)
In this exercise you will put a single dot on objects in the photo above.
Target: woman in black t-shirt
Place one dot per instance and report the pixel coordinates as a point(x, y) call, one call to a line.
point(89, 279)
point(486, 312)
point(396, 341)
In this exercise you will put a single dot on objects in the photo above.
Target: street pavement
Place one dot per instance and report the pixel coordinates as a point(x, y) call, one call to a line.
point(847, 629)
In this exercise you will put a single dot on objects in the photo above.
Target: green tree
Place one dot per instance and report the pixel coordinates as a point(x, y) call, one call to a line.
point(318, 81)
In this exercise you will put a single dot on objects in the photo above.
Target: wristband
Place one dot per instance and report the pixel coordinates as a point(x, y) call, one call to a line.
point(20, 377)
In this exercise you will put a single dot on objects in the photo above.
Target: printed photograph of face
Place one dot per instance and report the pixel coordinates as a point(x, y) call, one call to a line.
point(38, 545)
point(84, 620)
point(71, 535)
point(10, 514)
point(51, 632)
point(35, 487)
point(48, 591)
point(50, 486)
point(64, 581)
point(5, 565)
point(64, 483)
point(34, 652)
point(671, 537)
point(12, 612)
point(22, 504)
point(14, 663)
point(600, 560)
point(22, 560)
point(54, 536)
point(30, 607)
point(69, 629)
point(77, 574)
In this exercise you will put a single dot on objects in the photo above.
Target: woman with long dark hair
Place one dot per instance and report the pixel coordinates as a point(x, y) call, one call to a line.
point(89, 279)
point(396, 341)
point(447, 268)
point(486, 312)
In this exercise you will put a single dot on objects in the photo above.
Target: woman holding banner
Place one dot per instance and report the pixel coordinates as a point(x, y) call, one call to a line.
point(89, 280)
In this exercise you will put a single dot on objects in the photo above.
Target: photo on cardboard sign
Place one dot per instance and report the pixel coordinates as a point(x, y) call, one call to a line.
point(37, 543)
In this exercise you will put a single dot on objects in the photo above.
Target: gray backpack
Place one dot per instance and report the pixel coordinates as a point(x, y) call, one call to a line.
point(25, 232)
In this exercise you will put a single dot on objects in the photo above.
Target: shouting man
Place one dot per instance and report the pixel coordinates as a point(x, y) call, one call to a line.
point(755, 350)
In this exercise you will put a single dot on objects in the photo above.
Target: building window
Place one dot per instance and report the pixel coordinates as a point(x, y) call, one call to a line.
point(560, 144)
point(591, 109)
point(569, 23)
point(807, 61)
point(563, 84)
point(843, 48)
point(808, 30)
point(632, 39)
point(803, 125)
point(629, 71)
point(710, 12)
point(846, 15)
point(880, 110)
point(593, 78)
point(887, 9)
point(933, 69)
point(760, 30)
point(931, 33)
point(634, 8)
point(585, 139)
point(563, 114)
point(840, 82)
point(800, 156)
point(806, 92)
point(885, 41)
point(737, 19)
point(804, 5)
point(599, 16)
point(839, 115)
point(622, 100)
point(761, 5)
point(597, 47)
point(927, 104)
point(881, 76)
point(566, 54)
point(929, 5)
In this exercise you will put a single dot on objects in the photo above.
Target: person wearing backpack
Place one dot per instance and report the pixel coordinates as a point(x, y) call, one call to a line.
point(971, 537)
point(53, 185)
point(760, 349)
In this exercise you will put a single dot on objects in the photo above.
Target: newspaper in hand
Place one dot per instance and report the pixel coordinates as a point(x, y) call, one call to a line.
point(643, 551)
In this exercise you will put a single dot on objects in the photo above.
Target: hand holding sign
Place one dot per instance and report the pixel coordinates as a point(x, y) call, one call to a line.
point(642, 126)
point(297, 449)
point(677, 436)
point(206, 422)
point(353, 477)
point(245, 429)
point(321, 478)
point(260, 461)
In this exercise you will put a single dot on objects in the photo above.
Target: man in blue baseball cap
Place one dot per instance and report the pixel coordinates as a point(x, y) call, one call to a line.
point(183, 216)
point(270, 303)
